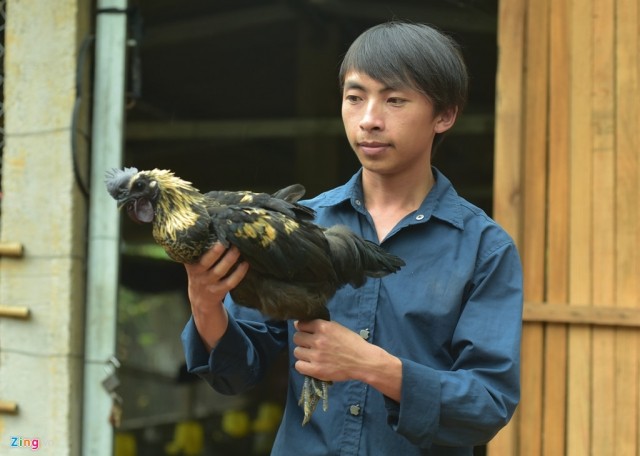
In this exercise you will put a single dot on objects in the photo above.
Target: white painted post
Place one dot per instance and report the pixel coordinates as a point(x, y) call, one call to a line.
point(103, 261)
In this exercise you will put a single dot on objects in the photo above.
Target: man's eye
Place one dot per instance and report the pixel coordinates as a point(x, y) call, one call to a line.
point(396, 101)
point(352, 98)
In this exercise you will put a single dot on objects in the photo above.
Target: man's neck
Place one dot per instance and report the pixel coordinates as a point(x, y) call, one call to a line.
point(389, 199)
point(405, 192)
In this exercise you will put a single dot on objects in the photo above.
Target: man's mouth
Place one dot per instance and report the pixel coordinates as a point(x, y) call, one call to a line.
point(372, 147)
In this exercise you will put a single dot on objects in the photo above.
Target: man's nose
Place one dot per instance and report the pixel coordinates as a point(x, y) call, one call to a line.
point(372, 118)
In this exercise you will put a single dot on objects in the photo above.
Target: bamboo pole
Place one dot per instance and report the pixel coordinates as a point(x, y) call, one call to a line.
point(508, 150)
point(580, 222)
point(19, 312)
point(8, 407)
point(534, 215)
point(557, 270)
point(11, 249)
point(603, 196)
point(627, 137)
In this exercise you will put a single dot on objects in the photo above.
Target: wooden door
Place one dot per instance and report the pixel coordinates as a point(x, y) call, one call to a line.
point(567, 187)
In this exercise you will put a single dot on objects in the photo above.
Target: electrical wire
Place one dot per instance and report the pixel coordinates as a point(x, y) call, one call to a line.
point(87, 42)
point(82, 57)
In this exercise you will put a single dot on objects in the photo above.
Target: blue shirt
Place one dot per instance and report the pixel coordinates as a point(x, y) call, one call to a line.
point(452, 315)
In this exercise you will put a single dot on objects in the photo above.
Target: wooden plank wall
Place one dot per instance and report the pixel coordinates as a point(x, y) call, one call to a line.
point(567, 187)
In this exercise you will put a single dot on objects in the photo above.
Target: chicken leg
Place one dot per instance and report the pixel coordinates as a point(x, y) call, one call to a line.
point(313, 390)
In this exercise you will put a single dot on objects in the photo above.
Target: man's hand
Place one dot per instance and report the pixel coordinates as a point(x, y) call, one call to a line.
point(210, 279)
point(328, 351)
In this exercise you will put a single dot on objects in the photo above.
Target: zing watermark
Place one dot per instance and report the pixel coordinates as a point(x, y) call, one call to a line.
point(21, 442)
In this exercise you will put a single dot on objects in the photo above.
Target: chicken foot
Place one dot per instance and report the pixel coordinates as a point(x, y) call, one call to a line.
point(313, 390)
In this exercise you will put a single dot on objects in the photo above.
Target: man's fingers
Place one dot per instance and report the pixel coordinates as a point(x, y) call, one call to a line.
point(237, 275)
point(303, 339)
point(209, 258)
point(302, 354)
point(310, 326)
point(218, 270)
point(226, 263)
point(304, 326)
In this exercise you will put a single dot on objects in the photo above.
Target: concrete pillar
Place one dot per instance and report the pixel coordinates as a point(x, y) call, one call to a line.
point(43, 208)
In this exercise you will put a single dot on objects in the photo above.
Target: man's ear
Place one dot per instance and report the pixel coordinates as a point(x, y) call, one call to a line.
point(446, 119)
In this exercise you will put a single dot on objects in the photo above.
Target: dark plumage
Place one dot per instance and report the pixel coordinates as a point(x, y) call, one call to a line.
point(295, 265)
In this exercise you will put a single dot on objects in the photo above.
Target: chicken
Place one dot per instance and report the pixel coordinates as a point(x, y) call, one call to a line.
point(295, 266)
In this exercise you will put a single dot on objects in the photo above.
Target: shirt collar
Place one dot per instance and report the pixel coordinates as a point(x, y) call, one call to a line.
point(442, 202)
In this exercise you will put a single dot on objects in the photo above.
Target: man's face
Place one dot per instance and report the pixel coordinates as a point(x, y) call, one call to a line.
point(391, 129)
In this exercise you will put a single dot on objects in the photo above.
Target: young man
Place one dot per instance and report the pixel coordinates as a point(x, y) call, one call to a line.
point(424, 361)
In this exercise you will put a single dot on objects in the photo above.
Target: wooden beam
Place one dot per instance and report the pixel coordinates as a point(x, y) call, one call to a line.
point(8, 407)
point(233, 129)
point(11, 249)
point(576, 314)
point(18, 312)
point(215, 25)
point(464, 18)
point(272, 128)
point(449, 18)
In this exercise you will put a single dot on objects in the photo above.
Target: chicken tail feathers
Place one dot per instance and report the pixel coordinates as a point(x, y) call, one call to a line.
point(354, 259)
point(290, 194)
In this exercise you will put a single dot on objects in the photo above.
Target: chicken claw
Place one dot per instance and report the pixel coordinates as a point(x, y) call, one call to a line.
point(313, 390)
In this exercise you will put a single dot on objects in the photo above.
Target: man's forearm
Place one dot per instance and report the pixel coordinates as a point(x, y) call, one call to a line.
point(211, 323)
point(382, 371)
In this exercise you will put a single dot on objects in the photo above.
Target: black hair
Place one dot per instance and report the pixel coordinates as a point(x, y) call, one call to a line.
point(411, 55)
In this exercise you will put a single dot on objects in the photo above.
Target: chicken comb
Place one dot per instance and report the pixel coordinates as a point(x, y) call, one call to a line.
point(116, 179)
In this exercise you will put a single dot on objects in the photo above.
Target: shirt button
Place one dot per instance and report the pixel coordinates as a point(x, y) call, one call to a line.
point(419, 217)
point(358, 203)
point(354, 410)
point(364, 333)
